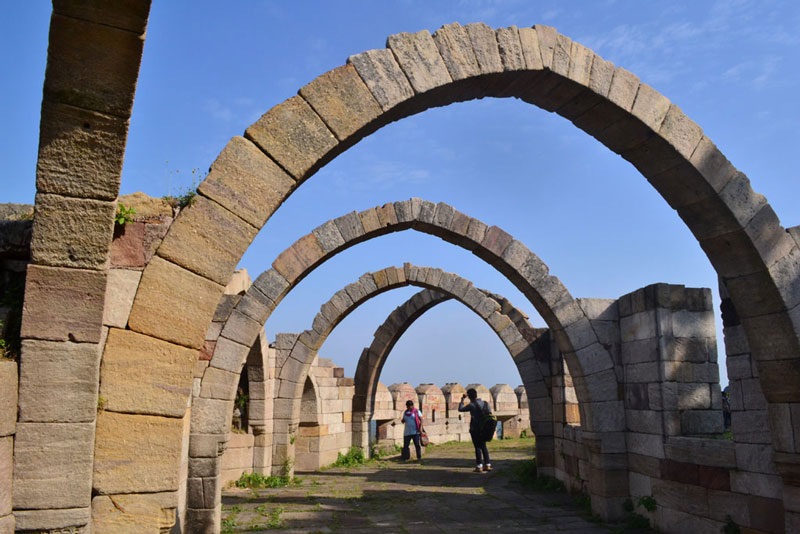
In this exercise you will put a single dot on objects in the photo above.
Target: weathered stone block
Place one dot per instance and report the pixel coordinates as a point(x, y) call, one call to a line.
point(72, 232)
point(510, 48)
point(246, 182)
point(53, 465)
point(241, 329)
point(419, 58)
point(132, 513)
point(80, 152)
point(141, 374)
point(701, 422)
point(383, 76)
point(120, 291)
point(58, 381)
point(272, 285)
point(343, 101)
point(71, 520)
point(208, 240)
point(157, 442)
point(63, 304)
point(759, 484)
point(165, 288)
point(294, 136)
point(8, 397)
point(69, 80)
point(229, 355)
point(456, 50)
point(328, 236)
point(6, 464)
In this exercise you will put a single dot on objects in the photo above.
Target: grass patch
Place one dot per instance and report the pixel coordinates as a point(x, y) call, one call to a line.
point(354, 457)
point(257, 480)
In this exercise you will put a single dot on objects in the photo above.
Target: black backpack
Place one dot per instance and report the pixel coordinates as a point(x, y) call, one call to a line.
point(488, 422)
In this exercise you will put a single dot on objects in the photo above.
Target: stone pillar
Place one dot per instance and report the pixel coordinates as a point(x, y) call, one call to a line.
point(92, 69)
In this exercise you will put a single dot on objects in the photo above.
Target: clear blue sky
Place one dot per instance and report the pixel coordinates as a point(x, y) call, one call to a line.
point(212, 68)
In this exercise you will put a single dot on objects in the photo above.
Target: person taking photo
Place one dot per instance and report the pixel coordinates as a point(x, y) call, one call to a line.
point(477, 408)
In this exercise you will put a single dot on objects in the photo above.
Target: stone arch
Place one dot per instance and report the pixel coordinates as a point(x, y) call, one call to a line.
point(292, 373)
point(574, 336)
point(737, 229)
point(373, 358)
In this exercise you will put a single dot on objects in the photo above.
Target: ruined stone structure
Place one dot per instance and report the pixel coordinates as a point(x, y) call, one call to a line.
point(623, 394)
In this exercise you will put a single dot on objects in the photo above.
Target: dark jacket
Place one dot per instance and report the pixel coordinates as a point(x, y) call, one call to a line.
point(476, 410)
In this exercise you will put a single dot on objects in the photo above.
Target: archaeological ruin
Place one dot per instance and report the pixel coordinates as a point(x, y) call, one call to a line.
point(142, 337)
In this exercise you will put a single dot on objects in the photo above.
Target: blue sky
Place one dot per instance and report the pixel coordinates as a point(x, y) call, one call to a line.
point(210, 69)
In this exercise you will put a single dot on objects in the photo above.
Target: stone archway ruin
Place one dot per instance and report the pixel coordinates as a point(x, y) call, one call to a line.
point(210, 421)
point(740, 234)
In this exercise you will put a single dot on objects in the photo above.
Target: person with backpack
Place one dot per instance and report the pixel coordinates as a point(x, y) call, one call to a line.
point(480, 418)
point(413, 430)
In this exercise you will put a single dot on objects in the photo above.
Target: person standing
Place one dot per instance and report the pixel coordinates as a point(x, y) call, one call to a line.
point(477, 408)
point(413, 430)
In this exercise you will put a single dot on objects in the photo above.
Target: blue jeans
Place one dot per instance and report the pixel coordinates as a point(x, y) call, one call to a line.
point(480, 448)
point(406, 442)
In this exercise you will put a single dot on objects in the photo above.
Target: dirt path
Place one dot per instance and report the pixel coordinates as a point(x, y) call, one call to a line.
point(441, 495)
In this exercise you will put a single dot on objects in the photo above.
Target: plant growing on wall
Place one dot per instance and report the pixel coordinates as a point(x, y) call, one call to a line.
point(183, 196)
point(124, 215)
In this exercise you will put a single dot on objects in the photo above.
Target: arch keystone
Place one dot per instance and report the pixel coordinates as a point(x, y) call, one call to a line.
point(456, 49)
point(383, 76)
point(417, 55)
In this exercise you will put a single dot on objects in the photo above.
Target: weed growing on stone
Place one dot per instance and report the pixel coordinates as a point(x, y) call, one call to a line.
point(182, 197)
point(124, 215)
point(256, 480)
point(731, 526)
point(101, 403)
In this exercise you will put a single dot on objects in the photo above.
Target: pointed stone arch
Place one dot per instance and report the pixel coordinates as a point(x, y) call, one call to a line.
point(737, 229)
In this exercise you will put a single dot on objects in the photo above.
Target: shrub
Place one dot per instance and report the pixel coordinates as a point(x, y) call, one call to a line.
point(355, 456)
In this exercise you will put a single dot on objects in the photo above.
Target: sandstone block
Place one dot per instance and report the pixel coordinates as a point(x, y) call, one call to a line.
point(328, 236)
point(165, 288)
point(701, 422)
point(63, 304)
point(650, 445)
point(484, 44)
point(141, 374)
point(69, 80)
point(419, 58)
point(74, 520)
point(154, 467)
point(208, 240)
point(128, 246)
point(132, 513)
point(456, 50)
point(6, 463)
point(350, 227)
point(294, 136)
point(80, 152)
point(530, 48)
point(272, 285)
point(58, 381)
point(8, 397)
point(229, 355)
point(343, 101)
point(72, 232)
point(7, 524)
point(241, 329)
point(758, 484)
point(510, 48)
point(53, 465)
point(245, 181)
point(120, 291)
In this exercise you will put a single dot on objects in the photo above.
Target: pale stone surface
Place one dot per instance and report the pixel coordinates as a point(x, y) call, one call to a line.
point(484, 43)
point(419, 58)
point(80, 152)
point(294, 136)
point(72, 519)
point(53, 465)
point(63, 304)
point(510, 48)
point(6, 471)
point(456, 50)
point(8, 397)
point(211, 416)
point(141, 374)
point(132, 513)
point(530, 48)
point(154, 466)
point(58, 382)
point(245, 181)
point(120, 291)
point(383, 76)
point(114, 54)
point(343, 101)
point(166, 287)
point(71, 232)
point(208, 240)
point(229, 355)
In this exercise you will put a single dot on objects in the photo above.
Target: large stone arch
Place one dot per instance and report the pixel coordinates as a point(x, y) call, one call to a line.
point(373, 358)
point(737, 229)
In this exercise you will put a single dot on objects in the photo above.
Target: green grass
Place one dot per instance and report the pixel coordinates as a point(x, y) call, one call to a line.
point(355, 456)
point(256, 480)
